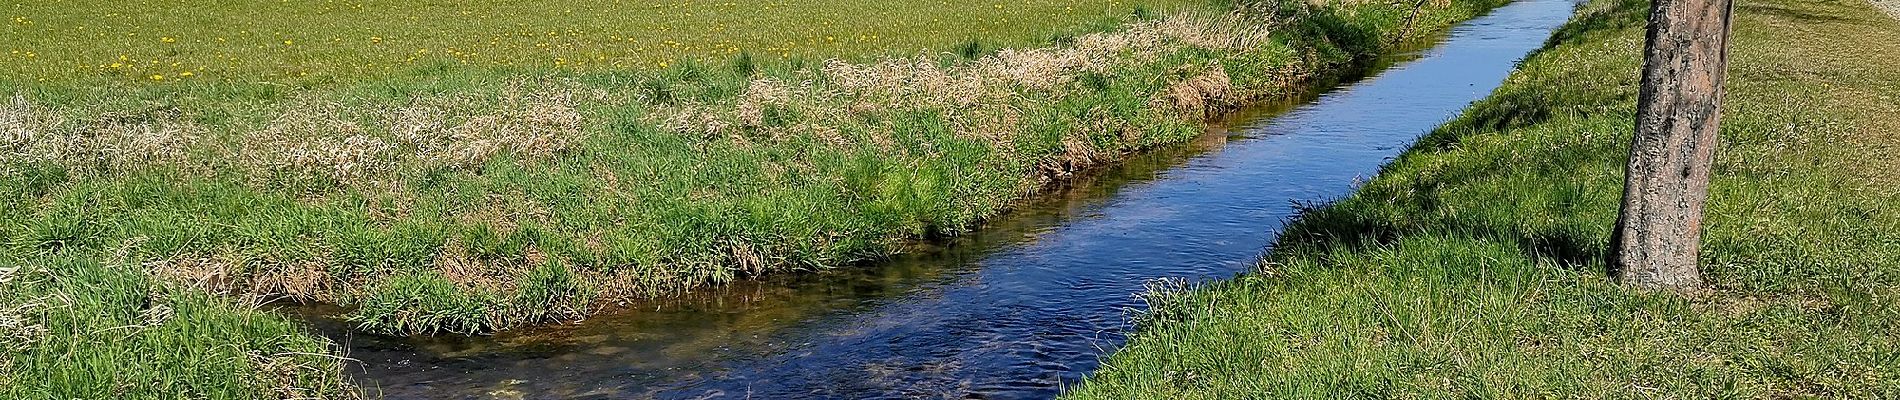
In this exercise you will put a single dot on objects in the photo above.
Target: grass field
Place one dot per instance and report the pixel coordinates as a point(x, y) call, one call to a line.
point(443, 198)
point(314, 42)
point(1472, 266)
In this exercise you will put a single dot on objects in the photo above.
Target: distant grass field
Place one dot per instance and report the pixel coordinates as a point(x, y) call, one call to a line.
point(1472, 266)
point(439, 197)
point(319, 41)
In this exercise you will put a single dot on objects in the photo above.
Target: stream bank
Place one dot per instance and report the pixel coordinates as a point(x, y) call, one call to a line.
point(1017, 309)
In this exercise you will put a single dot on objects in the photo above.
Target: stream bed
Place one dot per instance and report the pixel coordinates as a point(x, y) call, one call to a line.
point(1027, 304)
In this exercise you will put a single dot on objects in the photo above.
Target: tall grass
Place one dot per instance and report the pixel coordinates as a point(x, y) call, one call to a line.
point(1472, 266)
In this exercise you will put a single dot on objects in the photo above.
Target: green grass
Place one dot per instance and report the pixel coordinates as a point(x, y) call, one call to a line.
point(357, 40)
point(86, 329)
point(142, 219)
point(1472, 267)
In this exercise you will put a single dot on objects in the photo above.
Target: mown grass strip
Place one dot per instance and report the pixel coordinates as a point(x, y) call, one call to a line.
point(1473, 265)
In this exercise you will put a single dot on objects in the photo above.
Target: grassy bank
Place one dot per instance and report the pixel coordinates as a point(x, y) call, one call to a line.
point(444, 197)
point(468, 203)
point(1472, 266)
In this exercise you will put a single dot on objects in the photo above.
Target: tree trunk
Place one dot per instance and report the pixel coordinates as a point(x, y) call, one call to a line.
point(1678, 112)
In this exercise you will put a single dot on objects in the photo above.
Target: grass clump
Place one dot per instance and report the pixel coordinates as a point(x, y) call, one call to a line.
point(73, 326)
point(1473, 265)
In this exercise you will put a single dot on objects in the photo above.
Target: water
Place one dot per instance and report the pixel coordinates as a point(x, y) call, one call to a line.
point(1029, 303)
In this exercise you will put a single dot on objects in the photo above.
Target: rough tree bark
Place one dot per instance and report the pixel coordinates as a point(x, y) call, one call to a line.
point(1678, 113)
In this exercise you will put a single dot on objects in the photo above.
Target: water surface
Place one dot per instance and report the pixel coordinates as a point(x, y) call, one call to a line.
point(1027, 304)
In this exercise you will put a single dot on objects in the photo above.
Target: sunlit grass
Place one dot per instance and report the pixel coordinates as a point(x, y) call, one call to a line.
point(1472, 267)
point(423, 201)
point(539, 183)
point(287, 41)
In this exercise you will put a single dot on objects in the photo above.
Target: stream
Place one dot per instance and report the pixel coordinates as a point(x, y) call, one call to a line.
point(1027, 304)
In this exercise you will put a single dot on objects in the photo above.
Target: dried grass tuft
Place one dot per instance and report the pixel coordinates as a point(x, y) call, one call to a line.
point(532, 128)
point(17, 330)
point(1202, 97)
point(315, 140)
point(285, 374)
point(301, 281)
point(255, 280)
point(356, 145)
point(211, 274)
point(112, 142)
point(973, 95)
point(455, 264)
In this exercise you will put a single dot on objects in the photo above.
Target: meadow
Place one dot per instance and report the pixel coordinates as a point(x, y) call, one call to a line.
point(318, 42)
point(1473, 265)
point(462, 169)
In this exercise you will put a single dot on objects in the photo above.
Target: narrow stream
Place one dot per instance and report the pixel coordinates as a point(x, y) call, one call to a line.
point(1028, 304)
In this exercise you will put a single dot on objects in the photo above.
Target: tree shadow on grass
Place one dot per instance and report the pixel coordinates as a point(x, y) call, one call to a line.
point(1789, 13)
point(1320, 229)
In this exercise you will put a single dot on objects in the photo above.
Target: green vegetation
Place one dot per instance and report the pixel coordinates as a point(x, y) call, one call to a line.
point(387, 197)
point(1473, 265)
point(307, 42)
point(87, 329)
point(447, 198)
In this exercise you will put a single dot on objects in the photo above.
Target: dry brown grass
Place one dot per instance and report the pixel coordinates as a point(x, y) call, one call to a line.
point(1892, 7)
point(16, 331)
point(312, 141)
point(349, 144)
point(252, 281)
point(284, 374)
point(113, 141)
point(974, 97)
point(533, 127)
point(455, 131)
point(1204, 96)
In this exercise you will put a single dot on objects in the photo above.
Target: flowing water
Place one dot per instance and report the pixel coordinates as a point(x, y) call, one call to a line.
point(1027, 304)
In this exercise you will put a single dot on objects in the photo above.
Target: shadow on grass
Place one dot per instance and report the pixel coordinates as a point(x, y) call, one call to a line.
point(1320, 229)
point(1789, 13)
